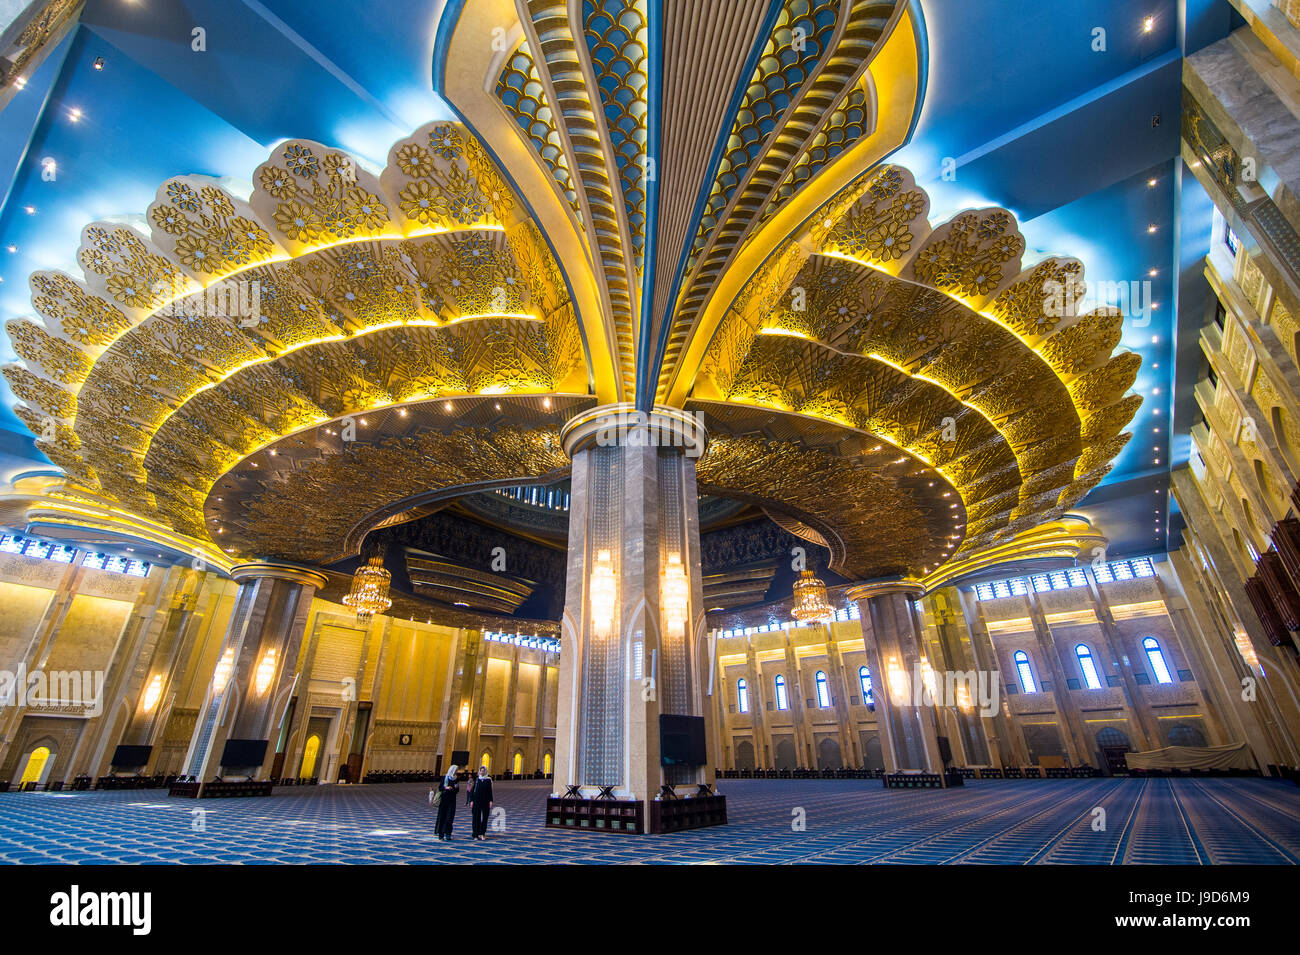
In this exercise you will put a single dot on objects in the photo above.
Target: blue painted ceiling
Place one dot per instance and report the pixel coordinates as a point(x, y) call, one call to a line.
point(1021, 110)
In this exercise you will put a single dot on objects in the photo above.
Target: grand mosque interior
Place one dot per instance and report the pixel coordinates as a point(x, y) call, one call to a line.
point(766, 431)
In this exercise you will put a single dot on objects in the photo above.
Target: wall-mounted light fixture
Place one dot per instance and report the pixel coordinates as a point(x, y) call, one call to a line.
point(604, 593)
point(225, 666)
point(265, 671)
point(152, 692)
point(674, 594)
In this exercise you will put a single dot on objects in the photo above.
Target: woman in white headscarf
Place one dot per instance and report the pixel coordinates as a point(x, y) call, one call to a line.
point(448, 787)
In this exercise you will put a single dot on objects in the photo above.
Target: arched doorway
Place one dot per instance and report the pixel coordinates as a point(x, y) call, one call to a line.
point(1044, 743)
point(518, 766)
point(486, 760)
point(39, 762)
point(546, 765)
point(872, 757)
point(1112, 744)
point(745, 755)
point(828, 755)
point(785, 758)
point(310, 752)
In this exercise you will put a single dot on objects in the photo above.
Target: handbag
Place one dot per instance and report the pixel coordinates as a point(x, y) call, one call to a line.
point(435, 797)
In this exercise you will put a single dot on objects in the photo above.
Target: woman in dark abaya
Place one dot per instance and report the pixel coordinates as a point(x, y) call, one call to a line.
point(480, 801)
point(448, 786)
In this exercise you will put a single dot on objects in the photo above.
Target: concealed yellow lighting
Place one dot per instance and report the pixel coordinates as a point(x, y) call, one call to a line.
point(265, 671)
point(464, 715)
point(788, 332)
point(674, 596)
point(225, 666)
point(152, 692)
point(603, 594)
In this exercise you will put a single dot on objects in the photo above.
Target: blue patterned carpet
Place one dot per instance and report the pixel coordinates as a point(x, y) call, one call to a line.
point(1210, 821)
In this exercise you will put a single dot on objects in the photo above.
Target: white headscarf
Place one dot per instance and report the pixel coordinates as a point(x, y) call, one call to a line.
point(451, 775)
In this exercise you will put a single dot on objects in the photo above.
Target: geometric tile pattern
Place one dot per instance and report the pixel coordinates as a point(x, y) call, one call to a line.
point(1006, 822)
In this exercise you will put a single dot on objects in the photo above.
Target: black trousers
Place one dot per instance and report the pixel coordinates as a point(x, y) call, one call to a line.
point(446, 814)
point(479, 818)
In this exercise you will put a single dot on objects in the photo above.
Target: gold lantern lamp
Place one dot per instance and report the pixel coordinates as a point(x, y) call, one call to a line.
point(810, 602)
point(369, 593)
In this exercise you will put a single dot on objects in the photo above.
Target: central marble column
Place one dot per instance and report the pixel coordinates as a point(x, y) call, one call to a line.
point(634, 638)
point(898, 662)
point(249, 691)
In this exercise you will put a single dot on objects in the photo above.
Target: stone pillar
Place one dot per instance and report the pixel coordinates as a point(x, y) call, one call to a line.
point(154, 670)
point(633, 529)
point(1006, 742)
point(763, 756)
point(958, 657)
point(840, 700)
point(254, 678)
point(909, 734)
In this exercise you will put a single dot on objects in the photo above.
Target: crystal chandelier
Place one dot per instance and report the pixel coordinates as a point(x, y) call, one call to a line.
point(810, 603)
point(674, 594)
point(369, 593)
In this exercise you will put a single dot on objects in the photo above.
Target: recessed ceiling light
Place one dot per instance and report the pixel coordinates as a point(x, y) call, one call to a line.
point(74, 114)
point(1151, 183)
point(447, 406)
point(1153, 273)
point(30, 210)
point(99, 63)
point(1151, 227)
point(1148, 24)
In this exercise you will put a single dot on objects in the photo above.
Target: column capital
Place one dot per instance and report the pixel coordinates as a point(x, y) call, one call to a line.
point(279, 571)
point(624, 425)
point(878, 588)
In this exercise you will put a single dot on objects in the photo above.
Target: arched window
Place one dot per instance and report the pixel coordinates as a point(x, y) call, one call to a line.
point(742, 696)
point(486, 762)
point(518, 768)
point(1088, 666)
point(864, 677)
point(1157, 659)
point(1026, 675)
point(823, 690)
point(782, 703)
point(546, 765)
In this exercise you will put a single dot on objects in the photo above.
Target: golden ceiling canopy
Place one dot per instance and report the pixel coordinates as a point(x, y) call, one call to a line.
point(277, 372)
